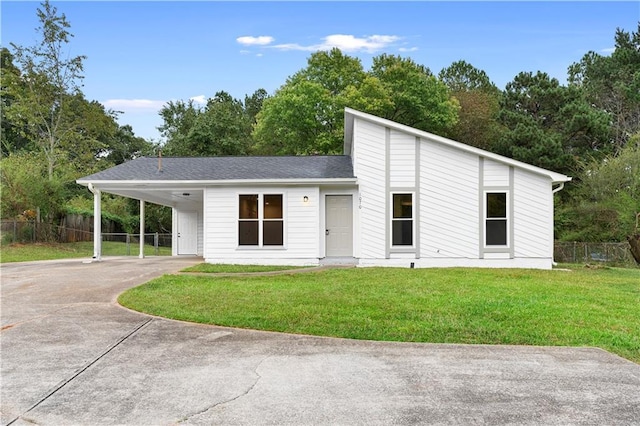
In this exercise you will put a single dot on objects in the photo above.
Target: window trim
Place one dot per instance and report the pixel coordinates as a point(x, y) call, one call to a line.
point(506, 218)
point(261, 220)
point(411, 246)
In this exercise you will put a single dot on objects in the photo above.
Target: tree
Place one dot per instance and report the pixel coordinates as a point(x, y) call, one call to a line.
point(50, 76)
point(11, 135)
point(418, 98)
point(612, 84)
point(306, 114)
point(222, 127)
point(608, 198)
point(479, 101)
point(550, 125)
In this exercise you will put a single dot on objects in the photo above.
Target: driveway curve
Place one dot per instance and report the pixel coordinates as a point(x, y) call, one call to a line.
point(71, 355)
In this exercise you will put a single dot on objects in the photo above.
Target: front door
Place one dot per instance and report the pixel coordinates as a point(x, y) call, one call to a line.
point(188, 233)
point(339, 225)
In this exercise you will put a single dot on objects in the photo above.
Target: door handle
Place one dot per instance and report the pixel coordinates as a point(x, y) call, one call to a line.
point(326, 232)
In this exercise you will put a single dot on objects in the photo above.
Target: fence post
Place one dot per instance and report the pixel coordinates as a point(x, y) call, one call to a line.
point(15, 230)
point(155, 244)
point(128, 241)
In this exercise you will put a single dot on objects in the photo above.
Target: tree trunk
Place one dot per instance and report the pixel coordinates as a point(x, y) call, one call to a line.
point(634, 242)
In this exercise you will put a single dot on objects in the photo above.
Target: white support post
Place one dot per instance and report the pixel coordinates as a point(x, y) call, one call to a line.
point(141, 256)
point(97, 223)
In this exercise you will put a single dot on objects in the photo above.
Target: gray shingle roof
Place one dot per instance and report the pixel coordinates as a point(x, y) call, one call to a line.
point(228, 168)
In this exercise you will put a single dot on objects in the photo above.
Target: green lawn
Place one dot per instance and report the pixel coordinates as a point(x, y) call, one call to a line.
point(232, 269)
point(41, 251)
point(583, 307)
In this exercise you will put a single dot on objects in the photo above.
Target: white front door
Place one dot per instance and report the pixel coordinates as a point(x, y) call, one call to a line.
point(188, 233)
point(339, 225)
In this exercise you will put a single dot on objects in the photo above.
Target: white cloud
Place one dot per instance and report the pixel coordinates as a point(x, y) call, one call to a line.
point(133, 105)
point(346, 43)
point(408, 49)
point(608, 50)
point(200, 99)
point(255, 41)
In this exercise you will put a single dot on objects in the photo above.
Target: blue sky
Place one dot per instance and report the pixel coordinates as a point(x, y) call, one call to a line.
point(143, 54)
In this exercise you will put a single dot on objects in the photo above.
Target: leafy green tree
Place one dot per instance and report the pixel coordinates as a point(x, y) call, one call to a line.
point(222, 127)
point(612, 84)
point(479, 101)
point(178, 118)
point(418, 98)
point(11, 136)
point(50, 76)
point(608, 198)
point(550, 125)
point(306, 115)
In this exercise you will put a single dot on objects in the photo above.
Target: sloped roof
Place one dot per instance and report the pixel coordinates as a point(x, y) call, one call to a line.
point(227, 168)
point(349, 115)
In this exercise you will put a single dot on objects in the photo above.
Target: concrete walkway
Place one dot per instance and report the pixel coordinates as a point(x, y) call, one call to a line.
point(71, 355)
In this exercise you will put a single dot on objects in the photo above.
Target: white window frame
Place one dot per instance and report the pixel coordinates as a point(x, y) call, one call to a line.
point(261, 220)
point(412, 219)
point(506, 218)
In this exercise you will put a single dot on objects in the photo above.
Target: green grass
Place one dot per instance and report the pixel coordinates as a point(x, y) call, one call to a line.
point(41, 251)
point(233, 269)
point(584, 307)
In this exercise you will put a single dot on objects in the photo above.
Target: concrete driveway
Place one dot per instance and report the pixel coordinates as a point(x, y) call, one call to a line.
point(71, 355)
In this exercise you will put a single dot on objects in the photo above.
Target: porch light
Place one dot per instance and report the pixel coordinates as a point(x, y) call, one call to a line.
point(305, 199)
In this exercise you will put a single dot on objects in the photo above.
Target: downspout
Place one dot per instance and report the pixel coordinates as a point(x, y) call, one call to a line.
point(553, 191)
point(559, 188)
point(97, 222)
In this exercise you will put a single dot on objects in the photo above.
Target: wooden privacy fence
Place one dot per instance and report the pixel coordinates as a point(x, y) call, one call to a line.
point(578, 252)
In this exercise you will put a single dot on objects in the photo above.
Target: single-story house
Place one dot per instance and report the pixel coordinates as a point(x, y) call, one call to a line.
point(397, 197)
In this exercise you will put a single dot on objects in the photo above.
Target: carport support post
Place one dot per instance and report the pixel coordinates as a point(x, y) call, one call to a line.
point(97, 222)
point(141, 256)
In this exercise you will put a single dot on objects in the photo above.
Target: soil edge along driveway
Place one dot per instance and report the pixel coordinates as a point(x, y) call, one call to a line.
point(71, 355)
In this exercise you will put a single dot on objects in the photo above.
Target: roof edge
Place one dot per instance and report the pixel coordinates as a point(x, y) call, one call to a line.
point(555, 176)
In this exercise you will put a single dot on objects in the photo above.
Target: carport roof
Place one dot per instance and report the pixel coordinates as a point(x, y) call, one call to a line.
point(227, 168)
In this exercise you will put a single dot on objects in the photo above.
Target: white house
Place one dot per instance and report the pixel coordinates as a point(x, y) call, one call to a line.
point(397, 197)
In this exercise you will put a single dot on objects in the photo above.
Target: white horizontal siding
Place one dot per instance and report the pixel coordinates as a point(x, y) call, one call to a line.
point(533, 215)
point(301, 221)
point(495, 174)
point(369, 168)
point(402, 164)
point(448, 202)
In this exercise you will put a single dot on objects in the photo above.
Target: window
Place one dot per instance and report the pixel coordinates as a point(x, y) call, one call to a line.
point(496, 219)
point(402, 222)
point(260, 226)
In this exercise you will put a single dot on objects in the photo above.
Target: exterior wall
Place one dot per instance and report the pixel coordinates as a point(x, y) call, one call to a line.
point(449, 202)
point(449, 186)
point(533, 216)
point(301, 227)
point(369, 167)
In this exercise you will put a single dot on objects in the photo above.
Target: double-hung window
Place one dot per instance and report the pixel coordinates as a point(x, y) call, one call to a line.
point(496, 219)
point(402, 221)
point(260, 220)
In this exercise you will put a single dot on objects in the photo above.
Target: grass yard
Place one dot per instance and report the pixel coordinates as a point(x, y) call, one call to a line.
point(210, 268)
point(583, 307)
point(42, 251)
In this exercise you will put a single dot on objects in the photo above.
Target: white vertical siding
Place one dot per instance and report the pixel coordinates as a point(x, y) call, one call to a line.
point(495, 174)
point(369, 167)
point(533, 215)
point(301, 222)
point(449, 200)
point(402, 162)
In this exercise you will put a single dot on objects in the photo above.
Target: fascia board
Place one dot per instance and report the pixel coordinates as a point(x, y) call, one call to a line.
point(555, 177)
point(165, 184)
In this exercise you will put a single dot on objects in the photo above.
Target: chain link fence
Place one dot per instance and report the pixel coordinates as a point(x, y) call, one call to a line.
point(614, 254)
